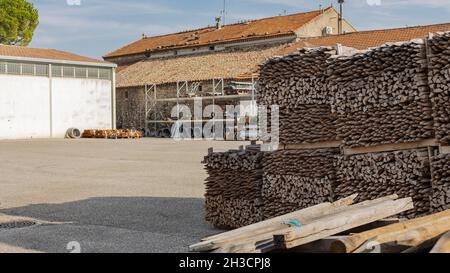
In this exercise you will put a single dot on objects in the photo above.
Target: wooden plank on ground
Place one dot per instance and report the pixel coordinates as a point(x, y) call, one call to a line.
point(391, 147)
point(351, 243)
point(412, 237)
point(216, 241)
point(337, 223)
point(251, 242)
point(443, 245)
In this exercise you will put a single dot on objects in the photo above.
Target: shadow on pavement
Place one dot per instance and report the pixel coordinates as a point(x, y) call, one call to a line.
point(113, 224)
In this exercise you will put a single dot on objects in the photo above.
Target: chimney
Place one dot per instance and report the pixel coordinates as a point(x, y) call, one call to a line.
point(218, 22)
point(341, 17)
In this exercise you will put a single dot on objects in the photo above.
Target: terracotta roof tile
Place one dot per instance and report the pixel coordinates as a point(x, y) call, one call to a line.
point(366, 39)
point(227, 65)
point(263, 28)
point(43, 53)
point(245, 64)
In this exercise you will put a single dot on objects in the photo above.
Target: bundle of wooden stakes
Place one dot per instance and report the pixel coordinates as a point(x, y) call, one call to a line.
point(296, 179)
point(297, 85)
point(439, 79)
point(382, 96)
point(441, 182)
point(405, 173)
point(233, 188)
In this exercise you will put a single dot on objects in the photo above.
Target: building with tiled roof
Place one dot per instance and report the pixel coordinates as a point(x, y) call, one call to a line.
point(266, 31)
point(207, 61)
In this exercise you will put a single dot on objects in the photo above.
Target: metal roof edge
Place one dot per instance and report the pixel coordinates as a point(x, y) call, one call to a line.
point(54, 61)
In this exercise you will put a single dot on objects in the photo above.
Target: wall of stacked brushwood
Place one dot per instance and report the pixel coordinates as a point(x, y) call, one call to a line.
point(374, 175)
point(396, 94)
point(382, 96)
point(297, 84)
point(441, 183)
point(233, 188)
point(439, 79)
point(297, 179)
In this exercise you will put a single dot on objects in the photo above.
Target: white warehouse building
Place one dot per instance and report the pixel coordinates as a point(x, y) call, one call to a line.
point(44, 92)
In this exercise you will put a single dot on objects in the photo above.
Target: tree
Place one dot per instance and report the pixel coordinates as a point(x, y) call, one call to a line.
point(18, 20)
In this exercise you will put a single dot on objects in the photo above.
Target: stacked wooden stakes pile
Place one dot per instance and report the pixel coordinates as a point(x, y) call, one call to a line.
point(387, 97)
point(441, 182)
point(302, 95)
point(382, 96)
point(405, 173)
point(296, 179)
point(439, 79)
point(233, 188)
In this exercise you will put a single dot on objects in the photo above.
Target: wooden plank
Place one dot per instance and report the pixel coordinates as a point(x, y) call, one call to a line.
point(251, 242)
point(337, 223)
point(406, 238)
point(350, 243)
point(259, 230)
point(445, 149)
point(391, 147)
point(309, 146)
point(443, 245)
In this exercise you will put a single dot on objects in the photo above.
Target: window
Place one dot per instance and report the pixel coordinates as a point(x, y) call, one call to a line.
point(212, 48)
point(126, 95)
point(93, 73)
point(2, 68)
point(68, 72)
point(13, 68)
point(27, 69)
point(57, 71)
point(80, 72)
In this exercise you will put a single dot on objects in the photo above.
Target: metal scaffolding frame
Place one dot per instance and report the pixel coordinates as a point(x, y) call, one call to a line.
point(187, 91)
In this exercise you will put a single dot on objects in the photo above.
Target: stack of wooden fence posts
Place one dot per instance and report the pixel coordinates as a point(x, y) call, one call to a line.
point(233, 188)
point(382, 97)
point(439, 79)
point(387, 109)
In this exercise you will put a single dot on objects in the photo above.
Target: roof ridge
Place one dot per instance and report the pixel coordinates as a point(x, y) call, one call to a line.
point(210, 28)
point(236, 23)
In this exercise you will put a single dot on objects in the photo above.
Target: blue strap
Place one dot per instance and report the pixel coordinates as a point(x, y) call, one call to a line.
point(294, 223)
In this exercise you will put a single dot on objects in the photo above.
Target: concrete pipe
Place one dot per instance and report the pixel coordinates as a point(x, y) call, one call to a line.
point(73, 133)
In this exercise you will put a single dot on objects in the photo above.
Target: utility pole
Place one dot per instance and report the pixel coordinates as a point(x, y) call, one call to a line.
point(341, 17)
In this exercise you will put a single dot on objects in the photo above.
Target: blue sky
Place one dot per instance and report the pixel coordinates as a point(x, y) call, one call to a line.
point(97, 27)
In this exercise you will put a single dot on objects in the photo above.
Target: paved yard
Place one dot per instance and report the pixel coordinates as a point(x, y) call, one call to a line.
point(107, 195)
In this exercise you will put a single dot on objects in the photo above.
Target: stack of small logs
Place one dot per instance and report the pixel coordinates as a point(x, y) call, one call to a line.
point(297, 179)
point(233, 188)
point(297, 84)
point(441, 183)
point(382, 96)
point(439, 79)
point(405, 173)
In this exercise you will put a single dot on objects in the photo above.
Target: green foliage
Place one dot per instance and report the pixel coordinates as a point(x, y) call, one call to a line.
point(18, 20)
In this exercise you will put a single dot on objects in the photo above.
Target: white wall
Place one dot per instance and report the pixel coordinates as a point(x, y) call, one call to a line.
point(80, 103)
point(24, 107)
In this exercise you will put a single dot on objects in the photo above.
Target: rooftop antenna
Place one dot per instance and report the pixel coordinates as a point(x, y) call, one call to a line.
point(223, 12)
point(341, 16)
